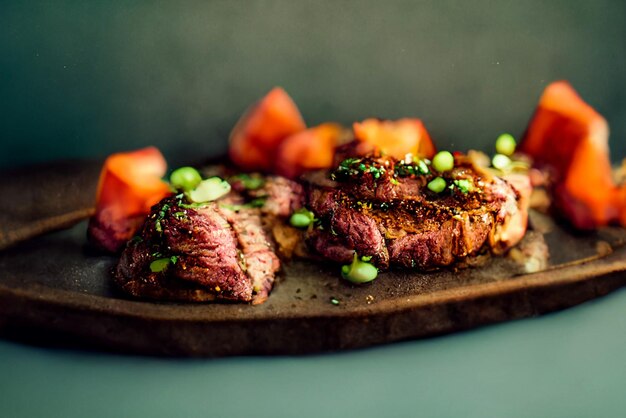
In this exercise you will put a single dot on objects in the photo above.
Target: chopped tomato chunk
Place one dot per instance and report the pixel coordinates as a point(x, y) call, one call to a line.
point(255, 139)
point(130, 184)
point(396, 137)
point(311, 149)
point(569, 138)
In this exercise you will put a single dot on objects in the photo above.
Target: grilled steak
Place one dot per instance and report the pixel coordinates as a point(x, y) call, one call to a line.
point(218, 250)
point(381, 207)
point(374, 206)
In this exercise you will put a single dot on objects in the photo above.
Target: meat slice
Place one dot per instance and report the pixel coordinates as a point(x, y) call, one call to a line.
point(379, 207)
point(346, 230)
point(257, 250)
point(203, 251)
point(217, 250)
point(283, 196)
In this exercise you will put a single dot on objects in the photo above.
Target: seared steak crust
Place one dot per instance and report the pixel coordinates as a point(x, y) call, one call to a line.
point(367, 207)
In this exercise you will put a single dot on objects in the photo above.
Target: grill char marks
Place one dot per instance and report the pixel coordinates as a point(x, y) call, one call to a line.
point(398, 221)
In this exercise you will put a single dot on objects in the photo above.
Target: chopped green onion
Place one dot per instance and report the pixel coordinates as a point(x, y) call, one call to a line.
point(348, 162)
point(360, 271)
point(437, 185)
point(464, 185)
point(443, 161)
point(423, 168)
point(505, 144)
point(159, 265)
point(185, 178)
point(302, 218)
point(500, 161)
point(209, 190)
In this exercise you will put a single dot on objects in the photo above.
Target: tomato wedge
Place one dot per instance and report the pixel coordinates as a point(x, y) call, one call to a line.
point(569, 138)
point(130, 184)
point(255, 139)
point(310, 149)
point(396, 137)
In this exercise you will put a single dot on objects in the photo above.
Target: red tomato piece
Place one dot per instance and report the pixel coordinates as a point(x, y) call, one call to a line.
point(130, 184)
point(569, 138)
point(311, 149)
point(255, 139)
point(396, 137)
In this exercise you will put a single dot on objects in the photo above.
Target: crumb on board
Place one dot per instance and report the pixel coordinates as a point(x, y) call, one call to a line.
point(603, 248)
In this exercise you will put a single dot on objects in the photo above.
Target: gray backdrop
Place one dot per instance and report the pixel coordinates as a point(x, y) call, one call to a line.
point(90, 78)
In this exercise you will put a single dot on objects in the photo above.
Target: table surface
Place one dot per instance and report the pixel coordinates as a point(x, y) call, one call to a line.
point(566, 364)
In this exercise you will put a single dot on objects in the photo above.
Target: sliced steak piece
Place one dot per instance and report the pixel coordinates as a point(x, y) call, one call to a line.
point(257, 250)
point(203, 250)
point(381, 207)
point(282, 196)
point(218, 250)
point(344, 226)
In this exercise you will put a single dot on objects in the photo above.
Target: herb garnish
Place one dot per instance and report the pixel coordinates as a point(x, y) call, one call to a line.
point(355, 167)
point(402, 169)
point(347, 169)
point(464, 185)
point(162, 212)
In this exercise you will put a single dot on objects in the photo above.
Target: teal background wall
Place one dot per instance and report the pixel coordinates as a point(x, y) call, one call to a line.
point(90, 78)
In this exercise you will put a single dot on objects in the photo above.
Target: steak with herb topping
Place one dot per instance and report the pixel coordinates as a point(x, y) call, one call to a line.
point(381, 207)
point(214, 250)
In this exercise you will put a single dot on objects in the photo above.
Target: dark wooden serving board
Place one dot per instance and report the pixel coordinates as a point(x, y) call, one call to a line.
point(54, 289)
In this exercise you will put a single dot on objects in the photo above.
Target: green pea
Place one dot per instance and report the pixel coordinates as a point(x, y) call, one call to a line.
point(299, 220)
point(302, 218)
point(443, 161)
point(437, 185)
point(505, 144)
point(500, 161)
point(360, 271)
point(159, 265)
point(185, 178)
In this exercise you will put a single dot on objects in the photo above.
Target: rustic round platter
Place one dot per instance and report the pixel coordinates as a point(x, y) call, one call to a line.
point(55, 289)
